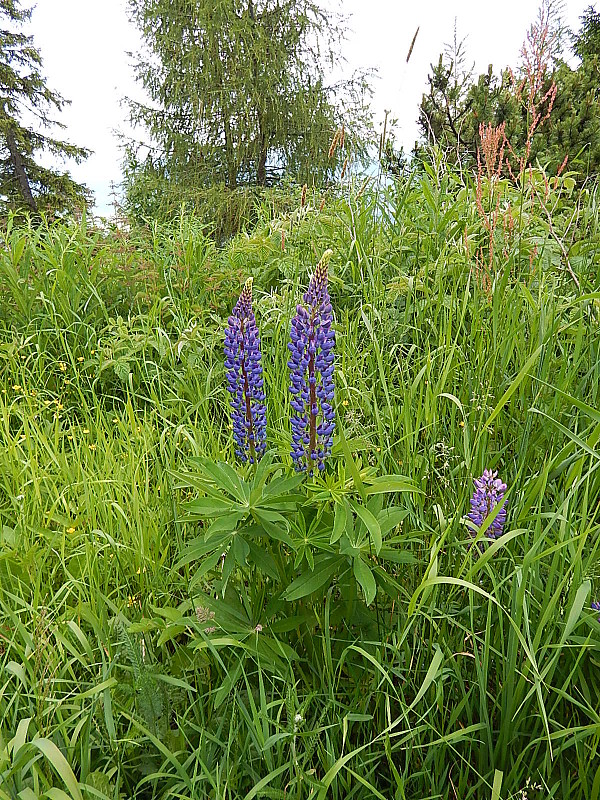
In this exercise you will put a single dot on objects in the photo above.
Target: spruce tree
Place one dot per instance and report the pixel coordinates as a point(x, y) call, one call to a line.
point(26, 185)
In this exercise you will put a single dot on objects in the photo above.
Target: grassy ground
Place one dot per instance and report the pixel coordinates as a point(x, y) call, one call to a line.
point(132, 668)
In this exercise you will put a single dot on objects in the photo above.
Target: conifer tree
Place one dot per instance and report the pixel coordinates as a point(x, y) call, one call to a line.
point(239, 94)
point(25, 184)
point(586, 42)
point(450, 113)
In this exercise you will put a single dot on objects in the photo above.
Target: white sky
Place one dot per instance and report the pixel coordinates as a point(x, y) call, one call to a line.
point(84, 43)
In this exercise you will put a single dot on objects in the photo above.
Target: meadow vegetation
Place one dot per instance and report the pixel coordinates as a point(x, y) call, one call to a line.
point(344, 636)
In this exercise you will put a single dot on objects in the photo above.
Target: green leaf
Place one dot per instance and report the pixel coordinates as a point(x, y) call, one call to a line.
point(497, 785)
point(339, 523)
point(263, 560)
point(351, 464)
point(514, 385)
point(225, 477)
point(60, 764)
point(579, 442)
point(309, 582)
point(370, 523)
point(24, 794)
point(277, 533)
point(209, 563)
point(390, 518)
point(576, 609)
point(364, 576)
point(392, 483)
point(281, 487)
point(204, 507)
point(257, 790)
point(228, 565)
point(429, 678)
point(227, 523)
point(198, 549)
point(241, 549)
point(264, 466)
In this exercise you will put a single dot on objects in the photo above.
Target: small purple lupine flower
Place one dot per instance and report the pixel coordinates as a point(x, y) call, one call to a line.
point(596, 607)
point(489, 491)
point(311, 366)
point(245, 379)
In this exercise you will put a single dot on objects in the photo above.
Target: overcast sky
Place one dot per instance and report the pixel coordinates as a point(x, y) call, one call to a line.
point(84, 44)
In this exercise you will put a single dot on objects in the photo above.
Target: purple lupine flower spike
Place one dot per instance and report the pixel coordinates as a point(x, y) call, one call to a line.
point(245, 379)
point(489, 491)
point(596, 607)
point(311, 375)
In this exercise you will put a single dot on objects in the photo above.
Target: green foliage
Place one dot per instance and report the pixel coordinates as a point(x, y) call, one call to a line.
point(172, 624)
point(266, 529)
point(540, 127)
point(26, 185)
point(239, 98)
point(586, 43)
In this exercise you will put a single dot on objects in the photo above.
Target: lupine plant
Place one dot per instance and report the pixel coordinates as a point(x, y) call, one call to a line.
point(270, 526)
point(489, 492)
point(311, 366)
point(243, 363)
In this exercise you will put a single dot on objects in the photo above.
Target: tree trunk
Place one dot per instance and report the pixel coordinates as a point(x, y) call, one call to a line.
point(261, 169)
point(261, 162)
point(17, 162)
point(230, 157)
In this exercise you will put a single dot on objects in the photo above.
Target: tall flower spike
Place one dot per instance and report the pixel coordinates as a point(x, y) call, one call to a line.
point(596, 607)
point(311, 366)
point(489, 491)
point(245, 379)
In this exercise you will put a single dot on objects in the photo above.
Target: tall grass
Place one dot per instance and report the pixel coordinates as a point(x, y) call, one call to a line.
point(479, 679)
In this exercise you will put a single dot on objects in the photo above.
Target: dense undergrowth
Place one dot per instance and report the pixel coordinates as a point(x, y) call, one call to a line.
point(132, 668)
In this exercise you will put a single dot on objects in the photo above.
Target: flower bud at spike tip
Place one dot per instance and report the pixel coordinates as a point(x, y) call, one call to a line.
point(489, 491)
point(311, 365)
point(243, 364)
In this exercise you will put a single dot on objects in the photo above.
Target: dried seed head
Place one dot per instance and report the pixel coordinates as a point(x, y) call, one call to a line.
point(303, 196)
